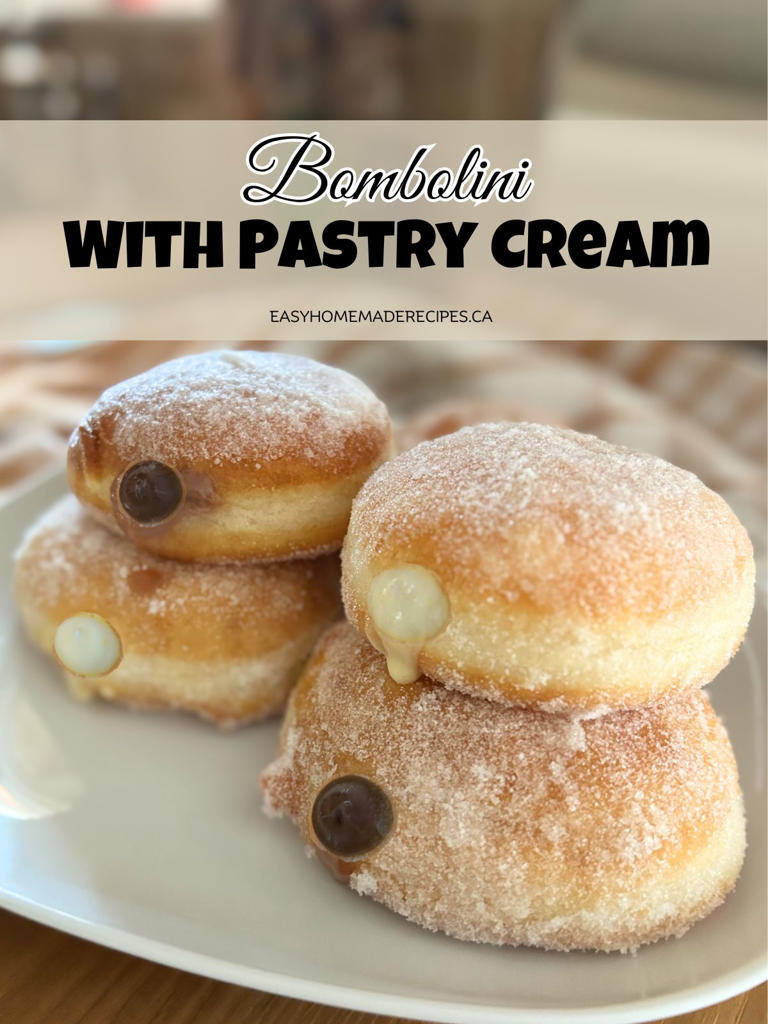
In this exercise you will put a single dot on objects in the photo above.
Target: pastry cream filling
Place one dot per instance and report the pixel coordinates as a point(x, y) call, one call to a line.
point(87, 645)
point(407, 606)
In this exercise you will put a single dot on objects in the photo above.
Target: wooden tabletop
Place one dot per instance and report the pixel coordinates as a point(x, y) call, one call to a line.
point(48, 977)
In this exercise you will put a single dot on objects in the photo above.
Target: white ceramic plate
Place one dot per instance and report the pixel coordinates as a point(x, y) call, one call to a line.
point(144, 832)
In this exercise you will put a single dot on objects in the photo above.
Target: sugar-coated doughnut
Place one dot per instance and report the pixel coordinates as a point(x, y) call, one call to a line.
point(507, 825)
point(533, 564)
point(228, 456)
point(224, 641)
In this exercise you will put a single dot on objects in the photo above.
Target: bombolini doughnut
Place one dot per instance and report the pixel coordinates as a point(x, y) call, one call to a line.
point(506, 825)
point(536, 565)
point(229, 456)
point(224, 641)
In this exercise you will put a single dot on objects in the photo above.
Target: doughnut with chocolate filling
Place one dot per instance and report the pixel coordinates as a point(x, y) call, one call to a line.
point(508, 825)
point(230, 456)
point(224, 641)
point(536, 565)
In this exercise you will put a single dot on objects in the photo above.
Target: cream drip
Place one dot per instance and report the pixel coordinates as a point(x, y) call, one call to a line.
point(407, 606)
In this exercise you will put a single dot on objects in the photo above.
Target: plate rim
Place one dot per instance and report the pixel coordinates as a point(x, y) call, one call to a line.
point(441, 1011)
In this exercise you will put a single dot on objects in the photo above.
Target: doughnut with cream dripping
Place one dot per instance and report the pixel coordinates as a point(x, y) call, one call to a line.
point(536, 565)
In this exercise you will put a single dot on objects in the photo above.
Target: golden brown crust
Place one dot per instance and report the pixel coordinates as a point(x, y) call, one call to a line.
point(565, 559)
point(513, 826)
point(271, 449)
point(562, 519)
point(260, 621)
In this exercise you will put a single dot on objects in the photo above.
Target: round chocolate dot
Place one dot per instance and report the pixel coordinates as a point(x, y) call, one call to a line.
point(150, 491)
point(351, 816)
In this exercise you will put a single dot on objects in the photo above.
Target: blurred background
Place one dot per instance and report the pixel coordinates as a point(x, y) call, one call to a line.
point(701, 405)
point(382, 59)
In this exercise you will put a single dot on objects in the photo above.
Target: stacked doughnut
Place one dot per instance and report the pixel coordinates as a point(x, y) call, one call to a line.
point(196, 564)
point(508, 741)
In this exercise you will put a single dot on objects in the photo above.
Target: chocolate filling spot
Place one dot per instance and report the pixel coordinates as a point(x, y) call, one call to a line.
point(351, 816)
point(150, 491)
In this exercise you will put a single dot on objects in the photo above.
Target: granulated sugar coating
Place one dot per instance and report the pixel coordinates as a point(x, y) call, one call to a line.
point(230, 456)
point(233, 407)
point(580, 576)
point(517, 827)
point(71, 551)
point(553, 517)
point(225, 641)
